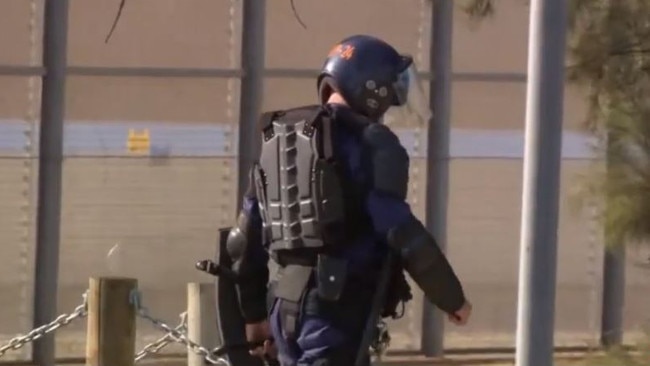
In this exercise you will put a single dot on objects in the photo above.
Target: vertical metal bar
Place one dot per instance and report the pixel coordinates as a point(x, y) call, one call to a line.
point(252, 87)
point(613, 296)
point(442, 13)
point(541, 180)
point(611, 331)
point(49, 178)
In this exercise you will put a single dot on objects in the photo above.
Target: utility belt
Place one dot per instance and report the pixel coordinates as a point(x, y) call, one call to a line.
point(300, 272)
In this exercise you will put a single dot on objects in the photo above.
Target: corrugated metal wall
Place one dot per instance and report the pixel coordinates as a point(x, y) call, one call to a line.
point(163, 209)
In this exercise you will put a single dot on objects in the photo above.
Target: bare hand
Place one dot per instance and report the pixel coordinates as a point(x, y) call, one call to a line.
point(261, 332)
point(461, 316)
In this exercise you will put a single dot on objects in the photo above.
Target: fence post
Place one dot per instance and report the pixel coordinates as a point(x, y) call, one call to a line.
point(50, 172)
point(437, 192)
point(251, 90)
point(111, 322)
point(201, 319)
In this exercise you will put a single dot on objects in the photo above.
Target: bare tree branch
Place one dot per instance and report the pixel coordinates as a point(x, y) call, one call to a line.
point(295, 14)
point(117, 19)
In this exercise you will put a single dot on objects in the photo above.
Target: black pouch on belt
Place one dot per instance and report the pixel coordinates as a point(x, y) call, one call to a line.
point(331, 274)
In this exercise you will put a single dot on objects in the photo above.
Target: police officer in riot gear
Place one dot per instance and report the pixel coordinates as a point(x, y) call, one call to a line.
point(327, 203)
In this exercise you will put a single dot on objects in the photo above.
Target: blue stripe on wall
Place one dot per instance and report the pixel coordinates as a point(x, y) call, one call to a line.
point(13, 136)
point(166, 140)
point(218, 140)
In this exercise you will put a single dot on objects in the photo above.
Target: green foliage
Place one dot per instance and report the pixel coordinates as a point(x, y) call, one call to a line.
point(616, 358)
point(624, 186)
point(621, 357)
point(609, 58)
point(478, 9)
point(637, 355)
point(608, 49)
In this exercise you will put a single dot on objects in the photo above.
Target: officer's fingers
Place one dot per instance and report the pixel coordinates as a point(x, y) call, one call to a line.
point(257, 352)
point(456, 319)
point(270, 350)
point(465, 313)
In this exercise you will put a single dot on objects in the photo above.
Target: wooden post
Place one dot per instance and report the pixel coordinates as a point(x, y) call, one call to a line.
point(111, 322)
point(201, 319)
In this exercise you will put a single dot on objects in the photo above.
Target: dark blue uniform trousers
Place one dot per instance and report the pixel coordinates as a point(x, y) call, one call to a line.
point(327, 333)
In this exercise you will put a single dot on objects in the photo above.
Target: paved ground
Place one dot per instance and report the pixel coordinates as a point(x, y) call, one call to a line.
point(572, 358)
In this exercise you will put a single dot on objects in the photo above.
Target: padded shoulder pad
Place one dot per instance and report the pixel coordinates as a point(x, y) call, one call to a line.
point(300, 113)
point(388, 159)
point(292, 115)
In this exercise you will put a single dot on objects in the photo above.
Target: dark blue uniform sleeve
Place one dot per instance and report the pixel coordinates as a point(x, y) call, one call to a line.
point(387, 169)
point(386, 212)
point(250, 260)
point(393, 220)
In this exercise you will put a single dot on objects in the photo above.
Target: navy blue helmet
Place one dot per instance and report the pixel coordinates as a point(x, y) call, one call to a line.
point(369, 73)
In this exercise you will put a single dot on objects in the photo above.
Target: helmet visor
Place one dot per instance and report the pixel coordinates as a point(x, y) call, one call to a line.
point(410, 105)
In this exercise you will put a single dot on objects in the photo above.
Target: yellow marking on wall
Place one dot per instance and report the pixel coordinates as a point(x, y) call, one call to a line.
point(138, 142)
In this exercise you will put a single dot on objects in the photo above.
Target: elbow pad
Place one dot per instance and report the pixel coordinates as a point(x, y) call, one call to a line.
point(388, 159)
point(252, 275)
point(427, 265)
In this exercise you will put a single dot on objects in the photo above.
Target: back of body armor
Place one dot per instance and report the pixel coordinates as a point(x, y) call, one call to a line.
point(298, 183)
point(305, 202)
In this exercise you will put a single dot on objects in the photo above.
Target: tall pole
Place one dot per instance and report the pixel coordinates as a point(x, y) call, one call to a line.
point(542, 159)
point(49, 175)
point(613, 296)
point(252, 85)
point(437, 194)
point(611, 329)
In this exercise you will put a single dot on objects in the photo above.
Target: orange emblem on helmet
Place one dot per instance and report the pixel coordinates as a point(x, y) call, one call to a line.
point(343, 51)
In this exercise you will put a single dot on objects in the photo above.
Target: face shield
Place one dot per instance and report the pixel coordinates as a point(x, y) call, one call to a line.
point(410, 107)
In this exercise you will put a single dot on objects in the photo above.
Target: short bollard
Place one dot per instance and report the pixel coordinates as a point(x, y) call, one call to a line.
point(111, 322)
point(201, 319)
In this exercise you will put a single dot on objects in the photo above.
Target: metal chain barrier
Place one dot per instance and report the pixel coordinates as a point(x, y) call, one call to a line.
point(176, 335)
point(162, 342)
point(380, 344)
point(61, 321)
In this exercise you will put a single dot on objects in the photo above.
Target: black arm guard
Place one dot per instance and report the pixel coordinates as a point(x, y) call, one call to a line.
point(252, 273)
point(427, 265)
point(388, 159)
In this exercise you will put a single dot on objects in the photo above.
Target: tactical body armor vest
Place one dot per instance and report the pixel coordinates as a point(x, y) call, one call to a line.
point(299, 183)
point(310, 208)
